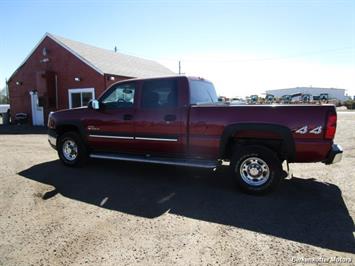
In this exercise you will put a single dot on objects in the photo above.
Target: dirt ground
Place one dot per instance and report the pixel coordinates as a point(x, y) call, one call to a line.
point(111, 213)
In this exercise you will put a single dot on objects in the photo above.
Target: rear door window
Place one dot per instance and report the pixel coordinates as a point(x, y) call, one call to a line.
point(159, 94)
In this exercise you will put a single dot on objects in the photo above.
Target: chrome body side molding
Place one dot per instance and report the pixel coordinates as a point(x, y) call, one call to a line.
point(157, 160)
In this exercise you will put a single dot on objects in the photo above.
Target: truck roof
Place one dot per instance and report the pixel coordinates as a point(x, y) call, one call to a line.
point(167, 77)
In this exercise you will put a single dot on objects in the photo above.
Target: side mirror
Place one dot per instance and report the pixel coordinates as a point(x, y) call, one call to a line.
point(94, 104)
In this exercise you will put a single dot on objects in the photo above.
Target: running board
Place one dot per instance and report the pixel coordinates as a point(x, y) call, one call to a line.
point(156, 160)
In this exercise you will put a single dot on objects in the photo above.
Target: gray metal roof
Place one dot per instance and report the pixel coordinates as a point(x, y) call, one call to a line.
point(110, 62)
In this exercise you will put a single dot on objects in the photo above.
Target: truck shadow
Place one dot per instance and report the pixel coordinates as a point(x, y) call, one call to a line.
point(302, 210)
point(22, 129)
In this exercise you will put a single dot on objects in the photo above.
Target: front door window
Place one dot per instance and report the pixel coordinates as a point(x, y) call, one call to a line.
point(121, 96)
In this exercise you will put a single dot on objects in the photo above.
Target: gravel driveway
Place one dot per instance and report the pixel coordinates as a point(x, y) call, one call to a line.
point(112, 213)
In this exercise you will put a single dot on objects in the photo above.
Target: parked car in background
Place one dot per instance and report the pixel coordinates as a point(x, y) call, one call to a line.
point(238, 101)
point(4, 108)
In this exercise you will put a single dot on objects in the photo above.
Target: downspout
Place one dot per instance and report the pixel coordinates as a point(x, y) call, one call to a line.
point(56, 91)
point(105, 83)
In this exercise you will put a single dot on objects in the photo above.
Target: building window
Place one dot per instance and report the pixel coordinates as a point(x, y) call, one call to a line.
point(80, 97)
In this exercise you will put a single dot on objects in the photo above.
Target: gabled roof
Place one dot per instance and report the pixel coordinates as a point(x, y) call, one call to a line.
point(108, 62)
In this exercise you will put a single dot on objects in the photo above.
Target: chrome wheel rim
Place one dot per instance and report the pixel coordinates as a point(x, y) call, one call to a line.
point(70, 150)
point(254, 171)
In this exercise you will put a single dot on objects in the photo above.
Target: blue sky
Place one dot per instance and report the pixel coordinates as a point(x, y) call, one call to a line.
point(242, 46)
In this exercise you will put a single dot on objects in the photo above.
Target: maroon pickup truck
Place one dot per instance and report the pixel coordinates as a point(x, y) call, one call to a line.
point(179, 121)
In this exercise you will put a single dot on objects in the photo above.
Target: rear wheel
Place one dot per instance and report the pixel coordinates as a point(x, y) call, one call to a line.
point(71, 149)
point(256, 169)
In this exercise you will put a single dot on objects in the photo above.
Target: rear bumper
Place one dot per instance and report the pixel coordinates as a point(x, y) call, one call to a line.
point(52, 138)
point(335, 155)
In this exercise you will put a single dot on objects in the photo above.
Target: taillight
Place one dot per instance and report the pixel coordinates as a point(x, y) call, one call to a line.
point(331, 126)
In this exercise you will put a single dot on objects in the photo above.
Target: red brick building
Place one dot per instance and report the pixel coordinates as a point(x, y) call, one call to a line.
point(60, 73)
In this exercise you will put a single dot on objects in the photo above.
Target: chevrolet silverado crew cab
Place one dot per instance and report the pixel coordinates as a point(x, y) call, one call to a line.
point(179, 121)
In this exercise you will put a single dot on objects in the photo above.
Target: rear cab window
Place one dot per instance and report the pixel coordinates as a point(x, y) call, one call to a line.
point(202, 92)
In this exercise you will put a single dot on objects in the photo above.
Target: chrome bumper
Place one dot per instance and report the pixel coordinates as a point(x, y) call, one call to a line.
point(335, 155)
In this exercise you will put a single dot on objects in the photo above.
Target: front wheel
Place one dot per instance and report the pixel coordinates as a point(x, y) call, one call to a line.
point(71, 149)
point(256, 169)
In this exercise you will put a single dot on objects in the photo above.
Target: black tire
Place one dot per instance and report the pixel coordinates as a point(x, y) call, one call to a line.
point(260, 161)
point(79, 154)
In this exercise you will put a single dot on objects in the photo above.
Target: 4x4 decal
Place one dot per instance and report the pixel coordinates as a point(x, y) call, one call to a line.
point(304, 130)
point(316, 130)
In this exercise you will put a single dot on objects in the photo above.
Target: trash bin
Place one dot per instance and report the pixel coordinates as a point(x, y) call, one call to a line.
point(21, 118)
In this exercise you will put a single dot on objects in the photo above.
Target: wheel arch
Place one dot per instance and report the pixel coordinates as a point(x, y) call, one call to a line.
point(66, 126)
point(276, 137)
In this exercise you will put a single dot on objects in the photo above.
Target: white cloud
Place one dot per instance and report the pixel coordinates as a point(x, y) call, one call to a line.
point(241, 75)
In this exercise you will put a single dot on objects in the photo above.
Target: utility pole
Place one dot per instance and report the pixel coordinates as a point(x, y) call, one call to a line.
point(179, 67)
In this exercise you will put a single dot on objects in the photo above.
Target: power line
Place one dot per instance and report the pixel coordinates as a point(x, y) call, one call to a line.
point(271, 58)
